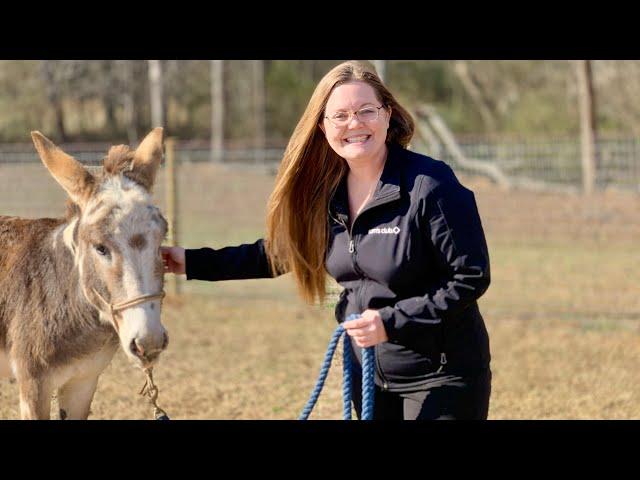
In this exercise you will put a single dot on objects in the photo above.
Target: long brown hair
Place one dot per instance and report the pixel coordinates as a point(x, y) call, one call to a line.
point(309, 174)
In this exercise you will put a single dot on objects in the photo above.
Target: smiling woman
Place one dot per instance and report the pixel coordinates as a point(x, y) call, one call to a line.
point(360, 133)
point(359, 137)
point(394, 228)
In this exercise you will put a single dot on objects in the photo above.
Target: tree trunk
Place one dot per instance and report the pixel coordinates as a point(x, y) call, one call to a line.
point(381, 68)
point(54, 97)
point(128, 100)
point(474, 90)
point(156, 94)
point(588, 132)
point(217, 110)
point(258, 108)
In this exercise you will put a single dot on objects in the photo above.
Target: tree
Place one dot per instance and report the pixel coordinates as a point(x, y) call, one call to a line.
point(217, 110)
point(259, 109)
point(54, 95)
point(587, 124)
point(156, 94)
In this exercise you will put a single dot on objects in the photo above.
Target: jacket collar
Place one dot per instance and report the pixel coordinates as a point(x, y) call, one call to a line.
point(389, 183)
point(387, 189)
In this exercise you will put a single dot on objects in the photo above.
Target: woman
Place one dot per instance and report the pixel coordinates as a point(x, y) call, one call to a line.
point(394, 228)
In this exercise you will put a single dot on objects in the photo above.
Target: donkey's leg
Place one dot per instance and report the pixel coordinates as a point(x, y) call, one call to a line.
point(75, 397)
point(35, 399)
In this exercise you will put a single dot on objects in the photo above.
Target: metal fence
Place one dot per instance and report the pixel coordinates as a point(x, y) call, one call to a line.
point(92, 154)
point(555, 162)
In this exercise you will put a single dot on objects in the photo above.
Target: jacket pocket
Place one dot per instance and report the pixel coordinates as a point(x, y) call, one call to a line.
point(402, 364)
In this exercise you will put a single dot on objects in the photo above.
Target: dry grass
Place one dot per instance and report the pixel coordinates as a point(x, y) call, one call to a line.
point(562, 310)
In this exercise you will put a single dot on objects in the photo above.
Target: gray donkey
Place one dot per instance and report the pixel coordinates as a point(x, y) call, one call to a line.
point(72, 288)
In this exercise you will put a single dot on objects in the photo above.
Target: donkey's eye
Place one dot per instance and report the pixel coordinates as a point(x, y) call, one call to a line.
point(102, 250)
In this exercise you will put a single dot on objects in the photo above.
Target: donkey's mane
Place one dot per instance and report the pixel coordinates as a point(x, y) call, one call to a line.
point(117, 162)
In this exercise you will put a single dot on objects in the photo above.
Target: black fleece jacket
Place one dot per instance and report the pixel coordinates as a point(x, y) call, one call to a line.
point(416, 253)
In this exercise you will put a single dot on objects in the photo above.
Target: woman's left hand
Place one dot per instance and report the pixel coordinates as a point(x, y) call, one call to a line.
point(368, 330)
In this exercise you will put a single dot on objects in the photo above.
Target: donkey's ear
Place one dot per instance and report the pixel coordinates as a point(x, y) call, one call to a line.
point(68, 172)
point(147, 158)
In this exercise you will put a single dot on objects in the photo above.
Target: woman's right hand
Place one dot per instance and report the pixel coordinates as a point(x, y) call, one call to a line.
point(173, 259)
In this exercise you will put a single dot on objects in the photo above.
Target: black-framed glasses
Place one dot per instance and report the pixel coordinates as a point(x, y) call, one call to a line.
point(366, 114)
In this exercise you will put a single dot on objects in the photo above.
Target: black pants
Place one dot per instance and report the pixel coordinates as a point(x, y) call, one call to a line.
point(447, 397)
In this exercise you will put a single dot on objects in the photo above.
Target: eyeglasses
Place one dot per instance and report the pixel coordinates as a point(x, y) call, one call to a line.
point(364, 115)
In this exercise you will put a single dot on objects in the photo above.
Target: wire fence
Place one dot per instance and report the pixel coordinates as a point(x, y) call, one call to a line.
point(550, 161)
point(557, 161)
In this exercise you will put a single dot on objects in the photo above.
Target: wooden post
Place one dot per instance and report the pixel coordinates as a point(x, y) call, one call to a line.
point(172, 197)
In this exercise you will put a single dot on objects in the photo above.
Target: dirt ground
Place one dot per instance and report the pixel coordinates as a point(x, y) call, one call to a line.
point(562, 310)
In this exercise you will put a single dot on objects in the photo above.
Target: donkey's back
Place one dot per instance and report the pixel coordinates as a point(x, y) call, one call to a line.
point(21, 243)
point(18, 234)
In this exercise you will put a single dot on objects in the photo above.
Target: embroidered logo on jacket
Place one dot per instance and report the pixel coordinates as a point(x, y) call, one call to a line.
point(387, 230)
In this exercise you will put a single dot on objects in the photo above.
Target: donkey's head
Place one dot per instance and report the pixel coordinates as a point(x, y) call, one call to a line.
point(115, 238)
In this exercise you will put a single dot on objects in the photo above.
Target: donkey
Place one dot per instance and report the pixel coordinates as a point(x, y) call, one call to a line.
point(72, 288)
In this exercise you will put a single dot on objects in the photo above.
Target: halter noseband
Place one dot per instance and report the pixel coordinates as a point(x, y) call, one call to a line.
point(149, 389)
point(116, 307)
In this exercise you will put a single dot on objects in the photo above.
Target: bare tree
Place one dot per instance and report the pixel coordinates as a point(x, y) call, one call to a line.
point(259, 109)
point(381, 68)
point(587, 124)
point(54, 96)
point(125, 72)
point(156, 94)
point(217, 110)
point(474, 89)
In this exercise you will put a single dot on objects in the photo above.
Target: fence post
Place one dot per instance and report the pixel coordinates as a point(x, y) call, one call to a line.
point(172, 203)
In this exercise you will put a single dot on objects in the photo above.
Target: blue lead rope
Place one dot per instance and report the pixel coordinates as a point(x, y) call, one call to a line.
point(367, 376)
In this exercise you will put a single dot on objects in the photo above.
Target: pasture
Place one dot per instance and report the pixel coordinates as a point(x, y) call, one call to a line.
point(563, 309)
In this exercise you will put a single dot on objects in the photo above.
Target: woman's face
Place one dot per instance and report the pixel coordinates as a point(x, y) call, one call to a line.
point(358, 137)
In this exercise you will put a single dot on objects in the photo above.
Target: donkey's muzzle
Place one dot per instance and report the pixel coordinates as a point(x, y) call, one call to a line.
point(148, 351)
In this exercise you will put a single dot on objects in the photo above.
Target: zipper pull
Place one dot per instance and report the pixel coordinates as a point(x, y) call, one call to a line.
point(351, 247)
point(443, 361)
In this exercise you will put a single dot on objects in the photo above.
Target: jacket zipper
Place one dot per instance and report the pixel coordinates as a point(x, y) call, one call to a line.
point(352, 251)
point(352, 245)
point(385, 384)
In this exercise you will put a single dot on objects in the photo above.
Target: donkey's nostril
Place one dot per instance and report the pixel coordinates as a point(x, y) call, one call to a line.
point(136, 348)
point(165, 340)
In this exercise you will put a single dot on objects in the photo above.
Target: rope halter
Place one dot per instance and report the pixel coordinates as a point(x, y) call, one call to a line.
point(117, 307)
point(149, 389)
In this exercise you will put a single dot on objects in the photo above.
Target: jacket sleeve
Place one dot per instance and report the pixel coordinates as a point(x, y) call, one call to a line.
point(449, 217)
point(229, 263)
